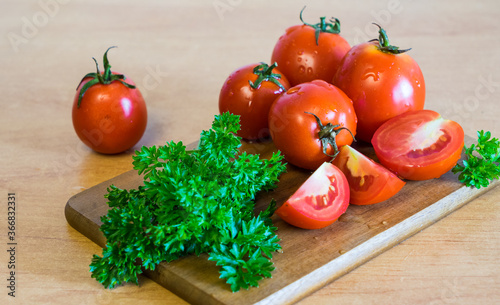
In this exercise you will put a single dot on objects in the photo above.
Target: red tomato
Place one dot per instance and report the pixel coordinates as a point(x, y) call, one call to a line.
point(369, 182)
point(419, 145)
point(319, 201)
point(295, 130)
point(109, 113)
point(307, 52)
point(382, 82)
point(249, 93)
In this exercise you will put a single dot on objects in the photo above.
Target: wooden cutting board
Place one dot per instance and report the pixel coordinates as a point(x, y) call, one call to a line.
point(310, 258)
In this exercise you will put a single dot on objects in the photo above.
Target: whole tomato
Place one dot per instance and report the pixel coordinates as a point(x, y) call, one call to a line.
point(109, 113)
point(310, 51)
point(249, 93)
point(382, 81)
point(310, 122)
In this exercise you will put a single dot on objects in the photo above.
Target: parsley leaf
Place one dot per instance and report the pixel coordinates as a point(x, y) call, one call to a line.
point(481, 163)
point(193, 202)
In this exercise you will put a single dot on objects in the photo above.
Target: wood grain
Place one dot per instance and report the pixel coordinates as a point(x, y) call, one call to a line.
point(179, 53)
point(310, 258)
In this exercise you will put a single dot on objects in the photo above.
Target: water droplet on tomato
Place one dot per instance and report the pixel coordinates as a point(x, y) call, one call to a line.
point(293, 90)
point(300, 52)
point(309, 71)
point(302, 69)
point(374, 75)
point(231, 93)
point(287, 63)
point(299, 59)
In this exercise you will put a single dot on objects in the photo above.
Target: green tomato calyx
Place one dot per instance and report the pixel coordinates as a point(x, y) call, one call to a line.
point(328, 133)
point(105, 78)
point(383, 42)
point(265, 73)
point(332, 27)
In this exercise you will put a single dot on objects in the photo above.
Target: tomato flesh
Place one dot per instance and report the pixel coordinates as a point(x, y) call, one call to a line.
point(419, 145)
point(319, 201)
point(369, 182)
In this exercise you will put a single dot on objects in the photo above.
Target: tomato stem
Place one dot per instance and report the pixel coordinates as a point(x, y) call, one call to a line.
point(383, 42)
point(328, 133)
point(101, 78)
point(332, 27)
point(264, 73)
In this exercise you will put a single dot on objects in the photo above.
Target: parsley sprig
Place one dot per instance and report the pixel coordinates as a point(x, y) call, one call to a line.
point(481, 163)
point(193, 202)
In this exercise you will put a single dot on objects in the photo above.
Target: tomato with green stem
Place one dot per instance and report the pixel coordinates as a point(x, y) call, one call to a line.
point(249, 92)
point(109, 113)
point(310, 51)
point(319, 201)
point(310, 122)
point(369, 182)
point(382, 81)
point(419, 145)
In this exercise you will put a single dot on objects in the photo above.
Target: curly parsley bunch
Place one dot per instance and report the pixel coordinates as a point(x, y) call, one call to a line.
point(481, 163)
point(193, 202)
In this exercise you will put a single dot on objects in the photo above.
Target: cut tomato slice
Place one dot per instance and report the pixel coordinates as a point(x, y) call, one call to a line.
point(369, 182)
point(419, 145)
point(319, 201)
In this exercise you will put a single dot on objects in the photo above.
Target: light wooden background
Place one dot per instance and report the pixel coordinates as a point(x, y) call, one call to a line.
point(179, 53)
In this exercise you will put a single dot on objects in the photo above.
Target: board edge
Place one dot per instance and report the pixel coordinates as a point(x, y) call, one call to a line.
point(372, 248)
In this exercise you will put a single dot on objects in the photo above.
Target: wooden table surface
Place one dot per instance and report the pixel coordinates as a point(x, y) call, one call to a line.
point(179, 54)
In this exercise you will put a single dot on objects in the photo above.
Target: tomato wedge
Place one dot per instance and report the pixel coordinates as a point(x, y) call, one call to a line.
point(369, 182)
point(319, 201)
point(419, 145)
